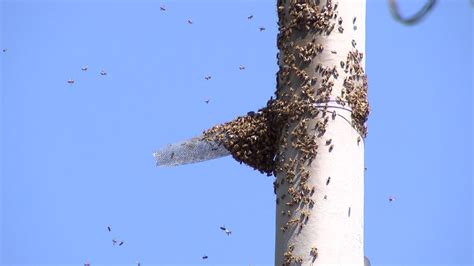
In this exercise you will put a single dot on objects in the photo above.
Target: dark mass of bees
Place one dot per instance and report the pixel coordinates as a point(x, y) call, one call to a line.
point(282, 137)
point(254, 139)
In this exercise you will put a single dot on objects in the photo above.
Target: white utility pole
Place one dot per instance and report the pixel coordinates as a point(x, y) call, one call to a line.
point(310, 136)
point(329, 230)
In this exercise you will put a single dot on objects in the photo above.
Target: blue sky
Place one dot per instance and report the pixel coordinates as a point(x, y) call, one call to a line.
point(77, 158)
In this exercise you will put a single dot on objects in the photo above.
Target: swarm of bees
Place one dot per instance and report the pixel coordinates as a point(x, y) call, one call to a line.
point(281, 138)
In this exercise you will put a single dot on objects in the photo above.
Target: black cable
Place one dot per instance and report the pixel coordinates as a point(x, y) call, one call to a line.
point(393, 5)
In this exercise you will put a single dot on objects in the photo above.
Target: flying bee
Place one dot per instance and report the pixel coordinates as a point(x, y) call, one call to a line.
point(207, 101)
point(250, 17)
point(71, 81)
point(340, 29)
point(121, 243)
point(262, 29)
point(339, 21)
point(207, 77)
point(172, 155)
point(391, 198)
point(334, 115)
point(84, 68)
point(331, 147)
point(358, 140)
point(241, 67)
point(354, 20)
point(108, 228)
point(354, 43)
point(328, 180)
point(205, 257)
point(190, 22)
point(103, 73)
point(325, 197)
point(162, 8)
point(328, 141)
point(226, 231)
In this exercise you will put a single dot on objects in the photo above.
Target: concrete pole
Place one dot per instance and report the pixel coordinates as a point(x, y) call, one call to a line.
point(327, 229)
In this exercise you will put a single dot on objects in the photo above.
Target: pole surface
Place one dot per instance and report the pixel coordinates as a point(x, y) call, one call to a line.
point(327, 228)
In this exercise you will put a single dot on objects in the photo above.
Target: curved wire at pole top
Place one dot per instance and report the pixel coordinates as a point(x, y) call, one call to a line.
point(413, 19)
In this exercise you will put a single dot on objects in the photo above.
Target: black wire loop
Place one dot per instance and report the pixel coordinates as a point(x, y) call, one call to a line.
point(393, 5)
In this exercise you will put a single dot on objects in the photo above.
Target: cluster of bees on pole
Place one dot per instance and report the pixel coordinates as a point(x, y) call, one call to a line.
point(281, 137)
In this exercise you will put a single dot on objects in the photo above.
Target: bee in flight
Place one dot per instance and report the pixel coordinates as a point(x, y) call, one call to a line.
point(227, 231)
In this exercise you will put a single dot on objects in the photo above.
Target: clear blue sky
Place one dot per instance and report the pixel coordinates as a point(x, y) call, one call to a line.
point(76, 158)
